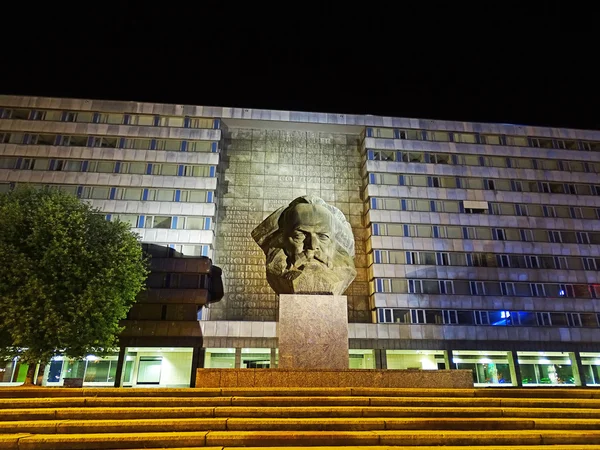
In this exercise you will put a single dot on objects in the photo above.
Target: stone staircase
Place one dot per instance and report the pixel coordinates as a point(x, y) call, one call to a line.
point(295, 418)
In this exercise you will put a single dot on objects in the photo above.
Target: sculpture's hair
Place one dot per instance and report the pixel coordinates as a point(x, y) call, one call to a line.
point(269, 233)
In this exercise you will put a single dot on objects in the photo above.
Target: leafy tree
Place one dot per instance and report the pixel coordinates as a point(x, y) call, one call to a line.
point(67, 276)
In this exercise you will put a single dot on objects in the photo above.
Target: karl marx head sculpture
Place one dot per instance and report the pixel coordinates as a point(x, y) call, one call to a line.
point(309, 247)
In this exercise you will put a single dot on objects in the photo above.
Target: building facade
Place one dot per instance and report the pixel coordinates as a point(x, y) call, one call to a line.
point(477, 245)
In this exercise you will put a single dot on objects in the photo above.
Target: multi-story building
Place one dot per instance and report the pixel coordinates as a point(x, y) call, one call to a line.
point(477, 245)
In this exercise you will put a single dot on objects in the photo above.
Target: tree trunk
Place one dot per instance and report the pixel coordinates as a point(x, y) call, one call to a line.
point(29, 377)
point(40, 378)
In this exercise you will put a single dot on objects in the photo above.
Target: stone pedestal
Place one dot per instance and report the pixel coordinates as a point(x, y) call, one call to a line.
point(313, 332)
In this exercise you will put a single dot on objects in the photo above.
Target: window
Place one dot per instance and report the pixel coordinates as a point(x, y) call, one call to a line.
point(165, 169)
point(99, 193)
point(195, 223)
point(520, 141)
point(8, 163)
point(543, 319)
point(440, 136)
point(477, 288)
point(507, 288)
point(130, 194)
point(158, 222)
point(465, 317)
point(573, 320)
point(583, 237)
point(450, 316)
point(85, 117)
point(482, 318)
point(466, 138)
point(414, 287)
point(522, 163)
point(443, 259)
point(409, 157)
point(548, 164)
point(199, 171)
point(490, 139)
point(533, 262)
point(554, 236)
point(541, 143)
point(417, 315)
point(503, 260)
point(591, 263)
point(496, 161)
point(537, 289)
point(410, 134)
point(440, 158)
point(168, 144)
point(134, 168)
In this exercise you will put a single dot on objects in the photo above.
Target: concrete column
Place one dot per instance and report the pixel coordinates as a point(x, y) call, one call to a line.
point(380, 358)
point(515, 371)
point(120, 364)
point(578, 369)
point(197, 362)
point(273, 358)
point(448, 360)
point(238, 358)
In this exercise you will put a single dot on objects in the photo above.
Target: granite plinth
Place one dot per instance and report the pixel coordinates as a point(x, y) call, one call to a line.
point(313, 332)
point(377, 378)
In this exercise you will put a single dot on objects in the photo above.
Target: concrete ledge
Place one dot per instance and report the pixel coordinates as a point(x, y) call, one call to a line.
point(207, 378)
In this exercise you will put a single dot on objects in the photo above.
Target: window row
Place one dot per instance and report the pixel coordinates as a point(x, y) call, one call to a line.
point(109, 118)
point(172, 222)
point(479, 138)
point(116, 193)
point(74, 165)
point(493, 318)
point(468, 207)
point(484, 161)
point(175, 250)
point(485, 233)
point(176, 145)
point(484, 260)
point(178, 280)
point(496, 288)
point(493, 184)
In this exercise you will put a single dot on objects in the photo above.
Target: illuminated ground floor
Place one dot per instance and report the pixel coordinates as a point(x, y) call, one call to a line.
point(172, 367)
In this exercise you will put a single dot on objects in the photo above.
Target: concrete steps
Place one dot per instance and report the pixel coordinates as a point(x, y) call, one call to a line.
point(359, 418)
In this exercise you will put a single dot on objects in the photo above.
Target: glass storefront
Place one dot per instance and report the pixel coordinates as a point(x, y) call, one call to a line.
point(489, 367)
point(12, 372)
point(415, 359)
point(546, 368)
point(160, 367)
point(95, 371)
point(219, 358)
point(171, 367)
point(255, 358)
point(144, 367)
point(591, 368)
point(361, 359)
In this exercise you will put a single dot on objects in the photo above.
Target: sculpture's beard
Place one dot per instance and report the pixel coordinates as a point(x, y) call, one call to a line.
point(309, 273)
point(307, 258)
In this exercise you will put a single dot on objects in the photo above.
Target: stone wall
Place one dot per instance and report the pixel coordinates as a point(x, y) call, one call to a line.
point(262, 170)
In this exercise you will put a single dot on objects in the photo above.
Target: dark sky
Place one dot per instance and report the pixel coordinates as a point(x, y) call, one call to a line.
point(511, 62)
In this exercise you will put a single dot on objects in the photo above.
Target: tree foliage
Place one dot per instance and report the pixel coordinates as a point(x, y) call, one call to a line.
point(67, 276)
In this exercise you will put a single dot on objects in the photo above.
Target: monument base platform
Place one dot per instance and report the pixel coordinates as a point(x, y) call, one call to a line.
point(310, 378)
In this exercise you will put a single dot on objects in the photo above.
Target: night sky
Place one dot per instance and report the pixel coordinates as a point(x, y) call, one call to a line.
point(509, 62)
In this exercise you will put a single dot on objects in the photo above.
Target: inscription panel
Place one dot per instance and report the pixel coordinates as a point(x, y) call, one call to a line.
point(261, 171)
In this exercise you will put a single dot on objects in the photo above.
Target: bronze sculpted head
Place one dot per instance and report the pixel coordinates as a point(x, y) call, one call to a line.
point(309, 247)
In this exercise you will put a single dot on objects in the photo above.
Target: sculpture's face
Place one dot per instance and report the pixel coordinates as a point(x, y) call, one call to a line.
point(308, 238)
point(308, 247)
